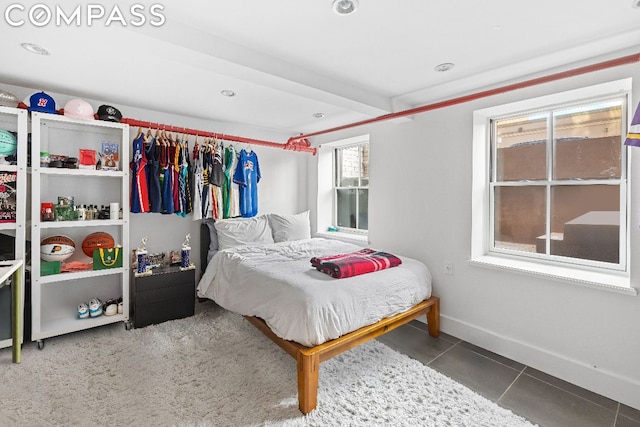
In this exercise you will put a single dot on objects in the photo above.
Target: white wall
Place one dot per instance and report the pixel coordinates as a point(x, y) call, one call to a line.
point(281, 189)
point(420, 206)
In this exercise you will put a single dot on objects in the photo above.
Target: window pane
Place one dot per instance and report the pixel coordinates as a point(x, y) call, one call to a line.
point(588, 142)
point(521, 148)
point(587, 222)
point(346, 204)
point(349, 166)
point(363, 209)
point(519, 217)
point(364, 164)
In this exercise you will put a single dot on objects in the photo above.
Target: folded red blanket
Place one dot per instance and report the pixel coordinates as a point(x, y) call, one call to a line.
point(352, 264)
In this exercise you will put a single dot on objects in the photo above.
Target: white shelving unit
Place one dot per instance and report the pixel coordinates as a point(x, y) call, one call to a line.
point(55, 298)
point(15, 120)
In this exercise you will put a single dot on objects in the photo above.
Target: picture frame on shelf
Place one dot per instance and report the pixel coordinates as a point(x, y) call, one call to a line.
point(8, 187)
point(109, 157)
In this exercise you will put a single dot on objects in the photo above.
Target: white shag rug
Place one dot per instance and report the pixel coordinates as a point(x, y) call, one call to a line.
point(216, 369)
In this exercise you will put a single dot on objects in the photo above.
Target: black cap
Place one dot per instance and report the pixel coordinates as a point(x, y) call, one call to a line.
point(109, 113)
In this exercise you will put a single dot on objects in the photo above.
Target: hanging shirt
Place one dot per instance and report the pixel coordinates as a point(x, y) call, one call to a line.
point(186, 171)
point(234, 190)
point(197, 183)
point(207, 202)
point(247, 176)
point(174, 152)
point(139, 191)
point(152, 151)
point(229, 161)
point(166, 180)
point(217, 169)
point(183, 182)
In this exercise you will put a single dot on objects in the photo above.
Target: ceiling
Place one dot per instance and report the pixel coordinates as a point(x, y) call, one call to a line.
point(287, 60)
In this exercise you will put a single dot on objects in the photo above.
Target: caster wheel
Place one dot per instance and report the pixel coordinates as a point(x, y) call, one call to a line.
point(40, 344)
point(127, 326)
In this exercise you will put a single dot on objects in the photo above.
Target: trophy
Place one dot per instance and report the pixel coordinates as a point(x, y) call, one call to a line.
point(185, 262)
point(141, 256)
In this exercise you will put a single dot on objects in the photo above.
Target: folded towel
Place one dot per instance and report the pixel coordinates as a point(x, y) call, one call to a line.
point(352, 264)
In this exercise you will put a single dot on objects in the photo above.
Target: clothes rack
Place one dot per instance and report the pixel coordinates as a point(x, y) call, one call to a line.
point(298, 145)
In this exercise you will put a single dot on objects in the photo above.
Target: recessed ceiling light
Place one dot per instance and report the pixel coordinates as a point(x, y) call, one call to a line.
point(445, 66)
point(34, 48)
point(344, 7)
point(228, 92)
point(318, 115)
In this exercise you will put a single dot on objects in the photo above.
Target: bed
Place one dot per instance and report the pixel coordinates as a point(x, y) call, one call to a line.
point(260, 268)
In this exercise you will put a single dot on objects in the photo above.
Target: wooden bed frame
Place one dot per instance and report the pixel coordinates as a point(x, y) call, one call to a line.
point(308, 359)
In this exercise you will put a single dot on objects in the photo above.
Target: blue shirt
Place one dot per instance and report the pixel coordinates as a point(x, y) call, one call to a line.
point(247, 176)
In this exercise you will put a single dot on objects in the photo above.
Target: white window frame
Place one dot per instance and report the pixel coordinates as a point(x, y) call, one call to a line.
point(326, 202)
point(336, 187)
point(593, 274)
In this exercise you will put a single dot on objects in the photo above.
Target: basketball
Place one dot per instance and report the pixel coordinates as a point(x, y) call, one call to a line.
point(97, 240)
point(56, 248)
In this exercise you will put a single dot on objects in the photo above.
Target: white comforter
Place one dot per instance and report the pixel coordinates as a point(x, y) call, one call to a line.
point(277, 283)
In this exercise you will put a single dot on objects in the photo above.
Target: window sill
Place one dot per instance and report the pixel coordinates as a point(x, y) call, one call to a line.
point(609, 281)
point(345, 237)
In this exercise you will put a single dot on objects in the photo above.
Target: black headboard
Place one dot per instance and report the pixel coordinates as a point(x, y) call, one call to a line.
point(205, 241)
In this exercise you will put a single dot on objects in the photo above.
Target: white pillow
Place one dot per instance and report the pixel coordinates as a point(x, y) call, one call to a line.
point(246, 231)
point(290, 227)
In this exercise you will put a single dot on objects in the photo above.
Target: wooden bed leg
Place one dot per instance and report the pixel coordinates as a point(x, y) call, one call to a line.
point(433, 319)
point(308, 370)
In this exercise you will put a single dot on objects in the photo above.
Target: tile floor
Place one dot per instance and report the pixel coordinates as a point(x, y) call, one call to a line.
point(541, 398)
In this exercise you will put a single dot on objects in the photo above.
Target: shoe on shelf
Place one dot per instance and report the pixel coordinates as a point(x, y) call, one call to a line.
point(111, 307)
point(83, 311)
point(95, 307)
point(120, 306)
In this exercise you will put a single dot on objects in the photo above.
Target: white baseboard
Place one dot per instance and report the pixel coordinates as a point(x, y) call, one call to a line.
point(603, 382)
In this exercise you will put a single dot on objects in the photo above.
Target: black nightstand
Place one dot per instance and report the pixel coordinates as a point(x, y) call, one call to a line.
point(169, 293)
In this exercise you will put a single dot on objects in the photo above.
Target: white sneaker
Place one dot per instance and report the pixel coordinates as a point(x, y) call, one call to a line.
point(83, 311)
point(95, 307)
point(110, 307)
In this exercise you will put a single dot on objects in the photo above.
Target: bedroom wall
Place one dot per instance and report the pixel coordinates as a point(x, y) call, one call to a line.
point(420, 206)
point(282, 188)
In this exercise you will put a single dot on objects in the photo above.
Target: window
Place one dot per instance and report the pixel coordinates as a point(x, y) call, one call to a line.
point(550, 183)
point(343, 189)
point(351, 187)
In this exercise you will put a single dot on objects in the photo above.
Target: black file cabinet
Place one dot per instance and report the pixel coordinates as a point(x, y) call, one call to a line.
point(167, 294)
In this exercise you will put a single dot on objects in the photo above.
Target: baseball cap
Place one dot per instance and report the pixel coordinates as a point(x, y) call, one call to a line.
point(42, 102)
point(8, 99)
point(79, 109)
point(109, 113)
